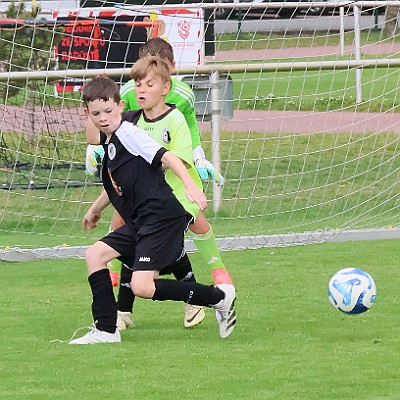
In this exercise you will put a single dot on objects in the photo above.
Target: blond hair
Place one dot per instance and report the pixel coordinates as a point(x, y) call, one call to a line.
point(157, 66)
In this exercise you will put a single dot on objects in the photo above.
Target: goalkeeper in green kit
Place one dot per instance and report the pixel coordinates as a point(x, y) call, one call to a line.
point(182, 97)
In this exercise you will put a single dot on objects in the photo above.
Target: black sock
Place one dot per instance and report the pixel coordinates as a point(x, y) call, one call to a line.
point(183, 270)
point(104, 306)
point(189, 292)
point(125, 295)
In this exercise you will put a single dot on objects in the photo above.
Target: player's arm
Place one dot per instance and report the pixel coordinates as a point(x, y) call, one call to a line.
point(137, 142)
point(203, 166)
point(190, 117)
point(192, 192)
point(128, 96)
point(93, 215)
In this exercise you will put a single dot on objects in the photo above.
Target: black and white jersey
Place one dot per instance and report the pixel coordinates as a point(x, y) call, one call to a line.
point(133, 177)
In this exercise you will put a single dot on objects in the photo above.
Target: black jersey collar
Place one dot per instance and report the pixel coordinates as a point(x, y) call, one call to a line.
point(172, 107)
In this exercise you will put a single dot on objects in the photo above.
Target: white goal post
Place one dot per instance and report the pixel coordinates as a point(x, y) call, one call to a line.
point(310, 152)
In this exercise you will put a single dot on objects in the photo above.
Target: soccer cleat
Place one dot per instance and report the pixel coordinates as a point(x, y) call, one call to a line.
point(224, 310)
point(124, 320)
point(95, 336)
point(193, 315)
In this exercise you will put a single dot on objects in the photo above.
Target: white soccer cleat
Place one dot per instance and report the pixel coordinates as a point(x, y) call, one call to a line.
point(124, 320)
point(224, 310)
point(95, 336)
point(193, 315)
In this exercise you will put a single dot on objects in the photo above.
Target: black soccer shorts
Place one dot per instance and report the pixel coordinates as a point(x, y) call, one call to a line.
point(153, 246)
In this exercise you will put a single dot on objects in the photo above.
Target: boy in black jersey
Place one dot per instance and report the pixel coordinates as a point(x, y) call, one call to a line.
point(151, 241)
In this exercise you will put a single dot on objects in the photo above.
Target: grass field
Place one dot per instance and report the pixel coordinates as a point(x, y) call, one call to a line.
point(317, 90)
point(311, 90)
point(289, 344)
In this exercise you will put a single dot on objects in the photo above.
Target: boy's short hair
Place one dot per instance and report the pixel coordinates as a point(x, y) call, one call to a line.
point(157, 47)
point(155, 65)
point(100, 88)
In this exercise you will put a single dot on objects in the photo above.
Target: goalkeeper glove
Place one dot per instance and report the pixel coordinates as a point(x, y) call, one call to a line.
point(94, 159)
point(205, 168)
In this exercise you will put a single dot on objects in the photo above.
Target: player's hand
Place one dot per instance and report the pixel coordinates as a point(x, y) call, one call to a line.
point(204, 168)
point(94, 159)
point(195, 195)
point(90, 220)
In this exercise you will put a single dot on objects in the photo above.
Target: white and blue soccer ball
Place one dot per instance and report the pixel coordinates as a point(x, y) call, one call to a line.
point(352, 291)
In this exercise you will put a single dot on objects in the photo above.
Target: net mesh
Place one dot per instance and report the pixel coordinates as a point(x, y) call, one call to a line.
point(307, 152)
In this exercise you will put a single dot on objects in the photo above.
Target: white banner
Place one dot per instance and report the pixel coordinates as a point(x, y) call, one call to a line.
point(182, 28)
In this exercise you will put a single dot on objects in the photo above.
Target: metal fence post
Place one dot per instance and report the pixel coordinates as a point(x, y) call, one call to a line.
point(215, 136)
point(357, 51)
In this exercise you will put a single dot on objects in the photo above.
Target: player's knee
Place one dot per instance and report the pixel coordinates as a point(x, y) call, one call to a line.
point(91, 255)
point(94, 256)
point(137, 289)
point(141, 287)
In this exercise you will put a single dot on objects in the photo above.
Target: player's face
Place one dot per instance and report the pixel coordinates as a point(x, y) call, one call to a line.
point(151, 91)
point(105, 115)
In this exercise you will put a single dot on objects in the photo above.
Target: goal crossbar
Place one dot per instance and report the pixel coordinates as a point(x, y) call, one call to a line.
point(208, 69)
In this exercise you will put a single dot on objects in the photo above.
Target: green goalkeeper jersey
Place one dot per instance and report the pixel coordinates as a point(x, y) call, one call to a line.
point(171, 131)
point(180, 94)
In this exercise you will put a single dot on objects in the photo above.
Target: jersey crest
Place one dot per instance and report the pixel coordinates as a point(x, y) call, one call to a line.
point(112, 151)
point(165, 136)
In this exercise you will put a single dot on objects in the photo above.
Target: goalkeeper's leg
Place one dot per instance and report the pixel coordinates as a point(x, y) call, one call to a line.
point(125, 299)
point(204, 239)
point(182, 271)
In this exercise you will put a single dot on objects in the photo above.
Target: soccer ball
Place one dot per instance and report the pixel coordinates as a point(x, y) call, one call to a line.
point(352, 291)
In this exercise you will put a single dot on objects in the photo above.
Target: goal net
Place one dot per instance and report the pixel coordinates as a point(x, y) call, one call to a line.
point(297, 104)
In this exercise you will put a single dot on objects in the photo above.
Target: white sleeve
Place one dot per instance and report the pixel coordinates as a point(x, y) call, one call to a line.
point(137, 141)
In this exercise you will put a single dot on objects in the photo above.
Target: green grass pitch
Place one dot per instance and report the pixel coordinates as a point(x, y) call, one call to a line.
point(289, 343)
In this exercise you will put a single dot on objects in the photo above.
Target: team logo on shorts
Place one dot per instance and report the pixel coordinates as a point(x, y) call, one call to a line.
point(166, 137)
point(112, 151)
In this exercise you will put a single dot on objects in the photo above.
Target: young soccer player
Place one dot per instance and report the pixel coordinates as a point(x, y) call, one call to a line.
point(151, 240)
point(182, 96)
point(203, 237)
